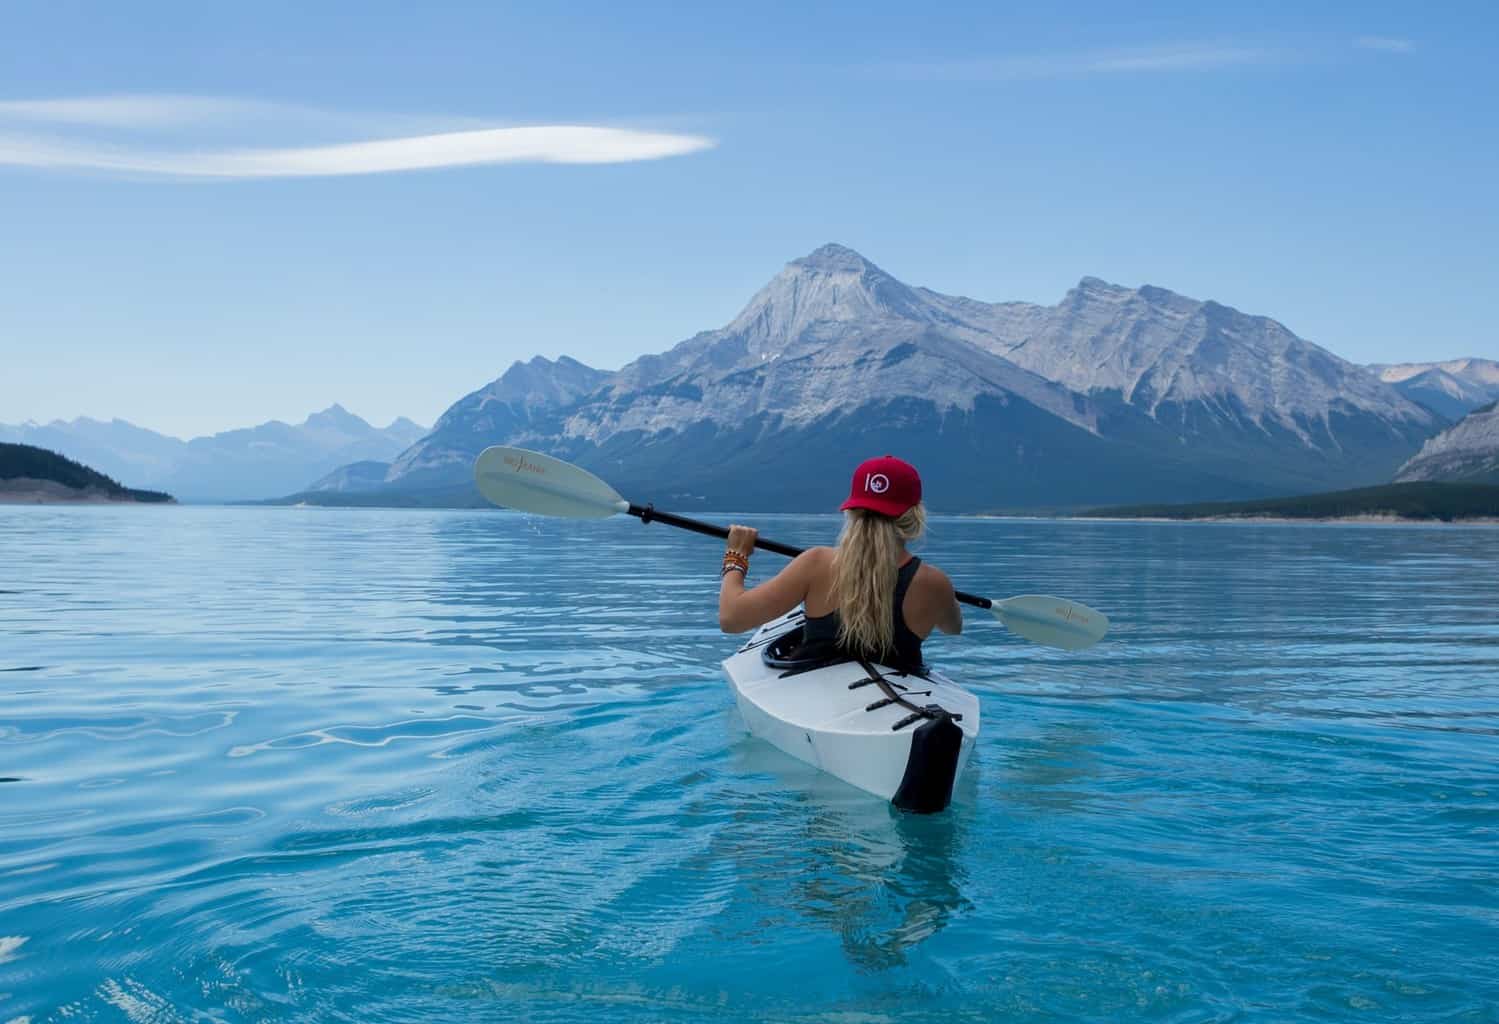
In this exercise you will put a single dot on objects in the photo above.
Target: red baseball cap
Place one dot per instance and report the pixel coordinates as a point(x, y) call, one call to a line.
point(886, 485)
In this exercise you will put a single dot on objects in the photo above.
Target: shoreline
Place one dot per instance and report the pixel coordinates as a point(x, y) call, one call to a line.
point(1357, 520)
point(30, 491)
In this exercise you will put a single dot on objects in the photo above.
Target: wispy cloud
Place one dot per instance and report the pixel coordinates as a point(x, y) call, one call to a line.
point(102, 133)
point(1384, 44)
point(136, 111)
point(1158, 59)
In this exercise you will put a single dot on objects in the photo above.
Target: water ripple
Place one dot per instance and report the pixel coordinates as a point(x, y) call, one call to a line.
point(304, 765)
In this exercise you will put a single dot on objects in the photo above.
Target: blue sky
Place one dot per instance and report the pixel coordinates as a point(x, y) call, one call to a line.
point(219, 214)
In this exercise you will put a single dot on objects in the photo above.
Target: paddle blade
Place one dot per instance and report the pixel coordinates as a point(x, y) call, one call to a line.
point(1053, 621)
point(532, 482)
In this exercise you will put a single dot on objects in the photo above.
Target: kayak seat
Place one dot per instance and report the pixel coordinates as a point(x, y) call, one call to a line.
point(792, 657)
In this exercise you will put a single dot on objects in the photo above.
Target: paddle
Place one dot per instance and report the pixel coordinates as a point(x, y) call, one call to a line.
point(532, 482)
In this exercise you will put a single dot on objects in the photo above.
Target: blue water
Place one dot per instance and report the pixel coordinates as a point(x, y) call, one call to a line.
point(404, 765)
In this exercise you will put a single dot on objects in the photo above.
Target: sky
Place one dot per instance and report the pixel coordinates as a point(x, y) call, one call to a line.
point(212, 215)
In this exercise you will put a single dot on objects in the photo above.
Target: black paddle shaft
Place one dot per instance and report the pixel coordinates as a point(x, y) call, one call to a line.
point(651, 514)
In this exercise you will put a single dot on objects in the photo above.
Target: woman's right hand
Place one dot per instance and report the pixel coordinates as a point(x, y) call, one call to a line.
point(742, 539)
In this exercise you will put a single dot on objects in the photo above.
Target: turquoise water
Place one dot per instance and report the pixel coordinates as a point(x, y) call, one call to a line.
point(390, 765)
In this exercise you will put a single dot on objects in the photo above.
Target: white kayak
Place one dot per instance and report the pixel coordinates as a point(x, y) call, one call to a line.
point(904, 737)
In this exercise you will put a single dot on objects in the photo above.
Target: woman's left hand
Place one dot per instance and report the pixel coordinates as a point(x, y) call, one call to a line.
point(742, 539)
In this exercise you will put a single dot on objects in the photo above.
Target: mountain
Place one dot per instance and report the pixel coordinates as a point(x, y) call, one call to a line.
point(1262, 403)
point(1467, 452)
point(1453, 388)
point(356, 476)
point(519, 401)
point(1113, 395)
point(255, 462)
point(33, 475)
point(119, 449)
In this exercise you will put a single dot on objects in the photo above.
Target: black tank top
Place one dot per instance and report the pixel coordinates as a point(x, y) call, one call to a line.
point(820, 633)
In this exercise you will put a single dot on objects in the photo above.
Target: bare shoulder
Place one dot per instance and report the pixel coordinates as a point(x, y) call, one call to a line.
point(812, 561)
point(933, 580)
point(937, 598)
point(818, 556)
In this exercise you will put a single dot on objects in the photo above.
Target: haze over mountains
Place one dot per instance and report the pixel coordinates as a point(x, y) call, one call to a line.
point(1113, 395)
point(271, 459)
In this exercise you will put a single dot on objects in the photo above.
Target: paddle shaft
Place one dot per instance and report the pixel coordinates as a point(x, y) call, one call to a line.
point(650, 514)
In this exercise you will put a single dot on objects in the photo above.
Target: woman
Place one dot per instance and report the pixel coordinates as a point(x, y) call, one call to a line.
point(868, 596)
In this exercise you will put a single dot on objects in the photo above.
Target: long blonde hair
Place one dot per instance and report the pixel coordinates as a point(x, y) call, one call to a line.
point(865, 567)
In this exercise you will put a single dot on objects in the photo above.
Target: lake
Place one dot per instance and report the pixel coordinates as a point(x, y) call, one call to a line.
point(316, 765)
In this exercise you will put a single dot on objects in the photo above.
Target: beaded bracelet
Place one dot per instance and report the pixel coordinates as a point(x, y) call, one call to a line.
point(734, 560)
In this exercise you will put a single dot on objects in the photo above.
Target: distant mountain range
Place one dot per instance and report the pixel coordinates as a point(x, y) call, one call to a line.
point(1113, 395)
point(1453, 388)
point(253, 463)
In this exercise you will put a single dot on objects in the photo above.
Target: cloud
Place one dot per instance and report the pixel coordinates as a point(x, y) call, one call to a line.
point(1384, 44)
point(1159, 59)
point(553, 144)
point(129, 111)
point(101, 133)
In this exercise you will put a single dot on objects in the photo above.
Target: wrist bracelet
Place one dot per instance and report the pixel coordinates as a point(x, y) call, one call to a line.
point(733, 560)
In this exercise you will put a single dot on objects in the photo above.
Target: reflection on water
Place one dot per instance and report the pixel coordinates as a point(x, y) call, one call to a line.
point(881, 880)
point(279, 764)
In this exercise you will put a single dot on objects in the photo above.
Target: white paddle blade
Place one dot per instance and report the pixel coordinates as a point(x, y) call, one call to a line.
point(532, 482)
point(1053, 621)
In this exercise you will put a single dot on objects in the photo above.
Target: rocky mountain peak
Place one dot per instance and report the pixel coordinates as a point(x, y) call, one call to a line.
point(1097, 285)
point(543, 381)
point(336, 417)
point(832, 284)
point(833, 257)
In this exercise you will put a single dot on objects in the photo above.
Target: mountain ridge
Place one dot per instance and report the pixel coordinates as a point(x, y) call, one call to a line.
point(1452, 387)
point(1149, 394)
point(264, 460)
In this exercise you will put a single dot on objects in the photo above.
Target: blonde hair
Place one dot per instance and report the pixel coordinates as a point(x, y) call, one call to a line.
point(865, 567)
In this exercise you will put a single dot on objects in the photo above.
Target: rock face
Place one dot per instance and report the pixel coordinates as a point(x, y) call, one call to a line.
point(1465, 453)
point(269, 460)
point(1113, 395)
point(519, 401)
point(1180, 360)
point(1453, 388)
point(356, 477)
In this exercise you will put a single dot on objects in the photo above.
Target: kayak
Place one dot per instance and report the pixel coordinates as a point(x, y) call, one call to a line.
point(902, 736)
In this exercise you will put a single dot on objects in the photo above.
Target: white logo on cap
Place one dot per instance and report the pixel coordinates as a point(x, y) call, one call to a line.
point(877, 483)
